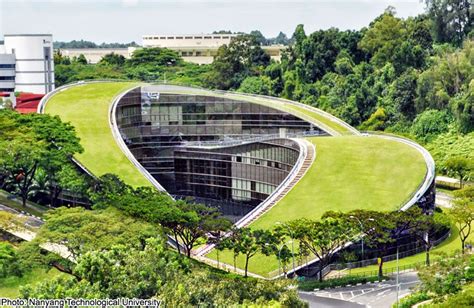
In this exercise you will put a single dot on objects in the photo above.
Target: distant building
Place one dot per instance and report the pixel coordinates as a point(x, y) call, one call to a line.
point(195, 48)
point(93, 55)
point(26, 63)
point(199, 48)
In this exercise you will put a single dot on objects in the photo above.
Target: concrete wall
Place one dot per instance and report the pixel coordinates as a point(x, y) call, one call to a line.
point(34, 61)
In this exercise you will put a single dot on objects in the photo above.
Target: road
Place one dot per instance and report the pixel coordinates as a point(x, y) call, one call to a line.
point(443, 199)
point(376, 295)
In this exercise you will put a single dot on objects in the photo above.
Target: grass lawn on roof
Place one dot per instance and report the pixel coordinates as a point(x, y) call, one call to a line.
point(86, 107)
point(349, 172)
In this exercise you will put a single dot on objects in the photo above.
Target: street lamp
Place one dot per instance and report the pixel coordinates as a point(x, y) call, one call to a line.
point(292, 245)
point(362, 230)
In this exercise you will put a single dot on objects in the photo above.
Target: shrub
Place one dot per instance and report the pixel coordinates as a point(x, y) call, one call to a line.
point(412, 299)
point(310, 285)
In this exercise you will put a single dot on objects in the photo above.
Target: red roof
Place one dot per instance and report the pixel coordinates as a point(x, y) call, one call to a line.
point(28, 102)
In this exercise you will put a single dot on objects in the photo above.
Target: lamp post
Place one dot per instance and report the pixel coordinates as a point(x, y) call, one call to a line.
point(292, 243)
point(362, 230)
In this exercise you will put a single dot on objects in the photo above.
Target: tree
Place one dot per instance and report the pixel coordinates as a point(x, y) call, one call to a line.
point(430, 123)
point(460, 167)
point(21, 158)
point(259, 37)
point(241, 58)
point(323, 237)
point(72, 181)
point(61, 143)
point(384, 35)
point(9, 265)
point(462, 213)
point(250, 242)
point(81, 59)
point(383, 229)
point(463, 107)
point(452, 20)
point(218, 228)
point(112, 59)
point(281, 39)
point(428, 225)
point(81, 230)
point(257, 85)
point(154, 57)
point(198, 221)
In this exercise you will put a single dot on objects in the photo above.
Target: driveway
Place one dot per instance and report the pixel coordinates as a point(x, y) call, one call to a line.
point(379, 295)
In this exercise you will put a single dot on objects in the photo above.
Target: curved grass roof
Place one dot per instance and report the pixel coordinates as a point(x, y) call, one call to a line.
point(86, 107)
point(349, 172)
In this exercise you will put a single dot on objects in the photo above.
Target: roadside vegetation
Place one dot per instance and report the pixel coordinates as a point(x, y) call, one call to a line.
point(411, 76)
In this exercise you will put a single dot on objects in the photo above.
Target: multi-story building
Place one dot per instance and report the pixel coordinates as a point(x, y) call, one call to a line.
point(26, 63)
point(199, 48)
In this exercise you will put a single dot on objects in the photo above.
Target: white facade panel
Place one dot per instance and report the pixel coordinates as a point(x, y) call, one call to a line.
point(37, 89)
point(27, 78)
point(34, 61)
point(30, 66)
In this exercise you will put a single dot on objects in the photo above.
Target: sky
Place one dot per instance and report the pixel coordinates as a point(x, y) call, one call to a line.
point(127, 20)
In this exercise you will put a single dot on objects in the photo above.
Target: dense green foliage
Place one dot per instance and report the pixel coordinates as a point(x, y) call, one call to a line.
point(409, 76)
point(149, 64)
point(9, 265)
point(35, 156)
point(310, 285)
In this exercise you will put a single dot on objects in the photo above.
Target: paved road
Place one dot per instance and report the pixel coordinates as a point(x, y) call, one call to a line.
point(377, 295)
point(443, 199)
point(320, 302)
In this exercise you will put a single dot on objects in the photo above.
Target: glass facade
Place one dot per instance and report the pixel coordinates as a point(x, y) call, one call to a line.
point(200, 146)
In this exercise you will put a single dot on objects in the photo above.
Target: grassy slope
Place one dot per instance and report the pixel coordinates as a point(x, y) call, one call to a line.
point(449, 246)
point(351, 172)
point(87, 108)
point(10, 287)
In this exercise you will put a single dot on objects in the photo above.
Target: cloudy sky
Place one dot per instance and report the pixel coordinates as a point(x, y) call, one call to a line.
point(127, 20)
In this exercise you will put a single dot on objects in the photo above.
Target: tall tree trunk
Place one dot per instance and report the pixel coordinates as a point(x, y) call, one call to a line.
point(177, 243)
point(320, 270)
point(246, 265)
point(427, 256)
point(381, 268)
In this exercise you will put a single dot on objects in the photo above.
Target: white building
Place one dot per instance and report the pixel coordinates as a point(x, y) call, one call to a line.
point(198, 48)
point(189, 40)
point(26, 63)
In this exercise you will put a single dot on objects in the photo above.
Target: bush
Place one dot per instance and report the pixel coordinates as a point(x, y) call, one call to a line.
point(9, 265)
point(310, 285)
point(430, 123)
point(412, 299)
